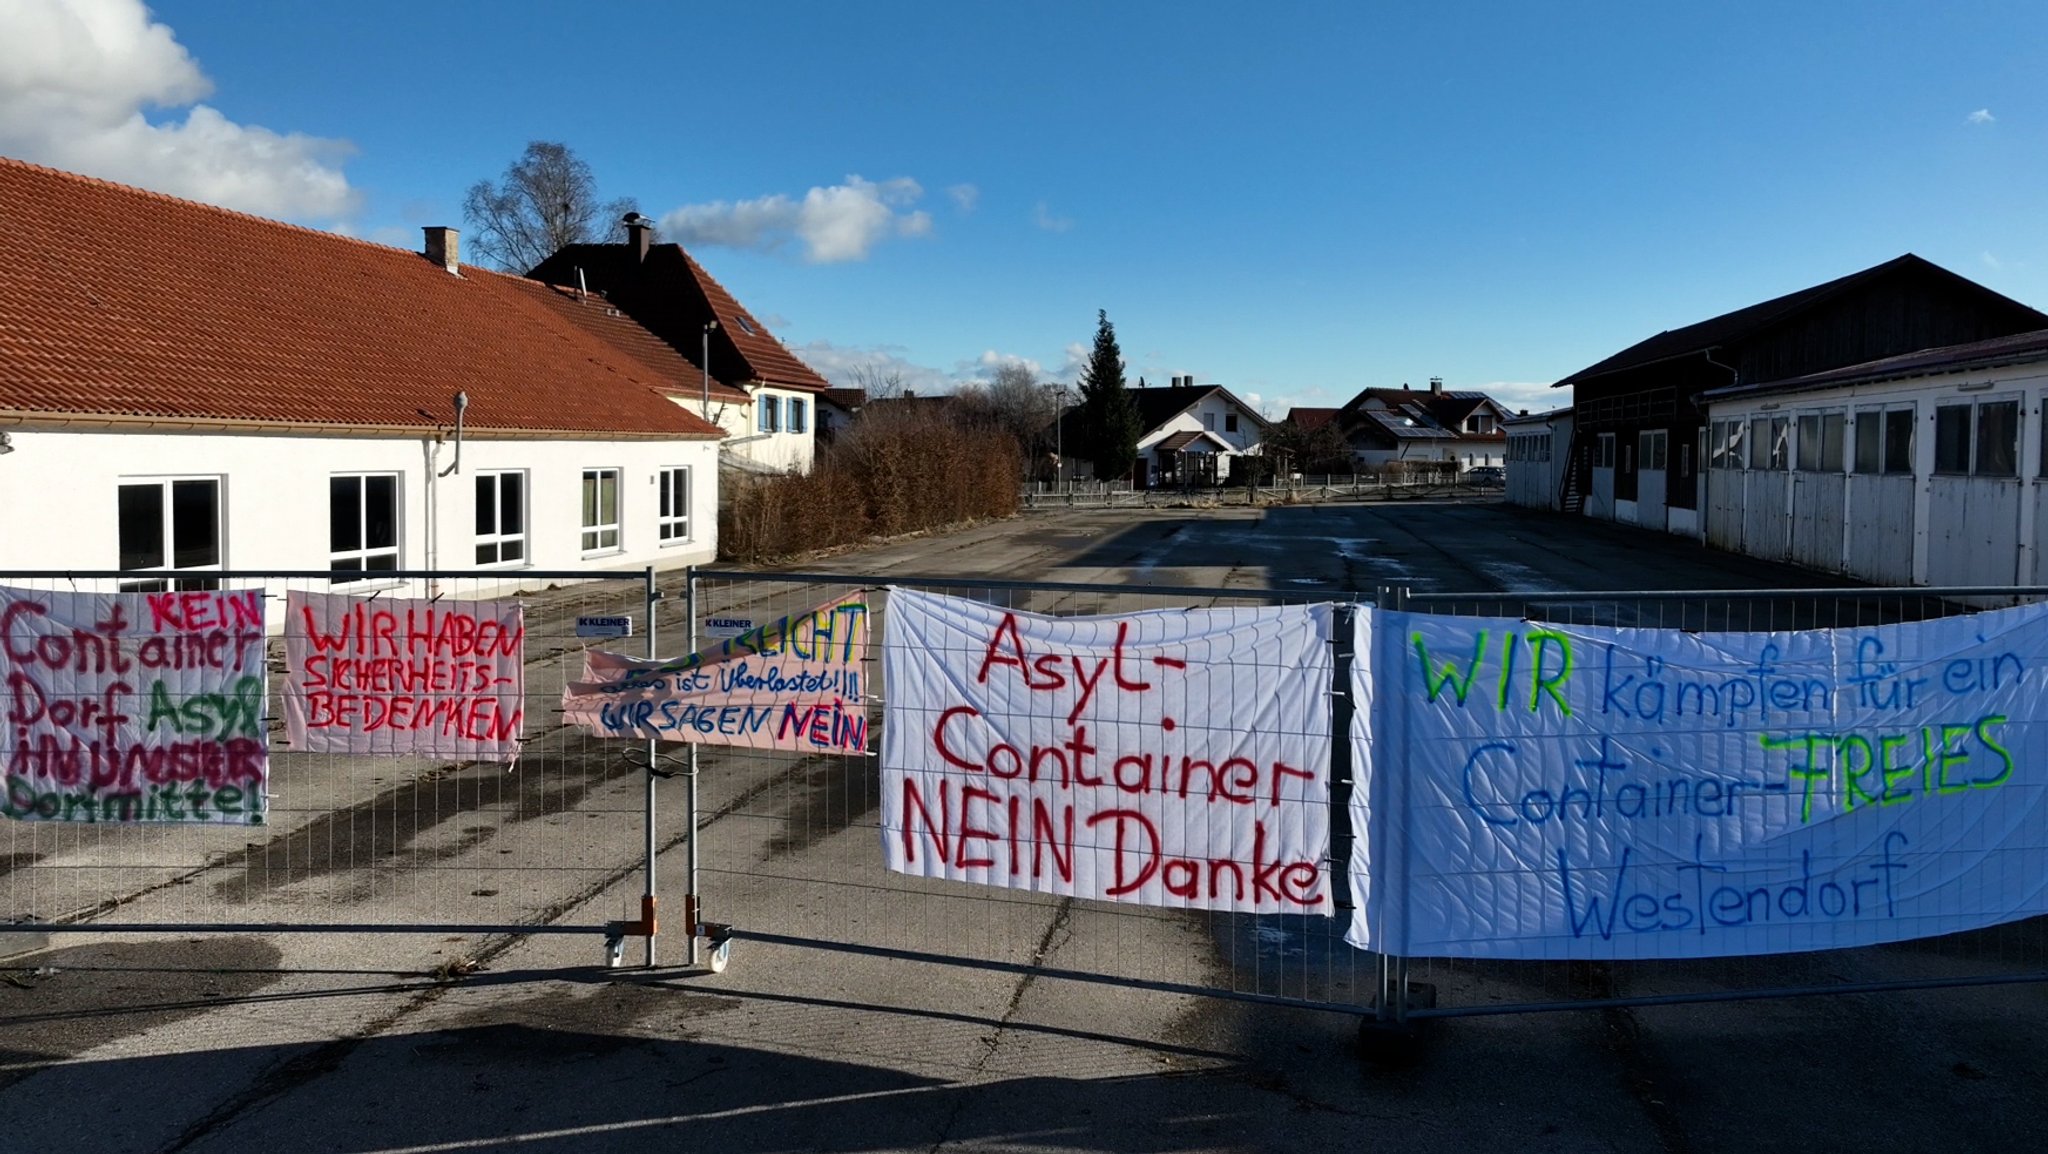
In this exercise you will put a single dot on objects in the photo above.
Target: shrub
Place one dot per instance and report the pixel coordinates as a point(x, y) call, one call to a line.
point(905, 467)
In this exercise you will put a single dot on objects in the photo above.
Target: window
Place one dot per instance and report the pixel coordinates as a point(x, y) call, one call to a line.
point(746, 324)
point(170, 524)
point(1898, 441)
point(797, 414)
point(362, 523)
point(1652, 447)
point(1998, 439)
point(1603, 452)
point(1834, 433)
point(1952, 439)
point(1809, 442)
point(1760, 442)
point(1209, 421)
point(674, 523)
point(1230, 422)
point(1820, 442)
point(1727, 445)
point(500, 518)
point(600, 510)
point(1869, 441)
point(768, 413)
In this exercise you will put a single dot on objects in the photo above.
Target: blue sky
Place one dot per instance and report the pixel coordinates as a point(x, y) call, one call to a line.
point(1294, 200)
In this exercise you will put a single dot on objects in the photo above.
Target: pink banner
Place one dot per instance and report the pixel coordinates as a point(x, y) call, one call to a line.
point(796, 683)
point(125, 707)
point(405, 678)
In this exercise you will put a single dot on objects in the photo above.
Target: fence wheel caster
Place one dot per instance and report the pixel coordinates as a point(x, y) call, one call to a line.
point(721, 955)
point(614, 951)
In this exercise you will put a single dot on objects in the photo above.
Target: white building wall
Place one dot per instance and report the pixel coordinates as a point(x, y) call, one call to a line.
point(1536, 461)
point(1920, 527)
point(782, 449)
point(59, 494)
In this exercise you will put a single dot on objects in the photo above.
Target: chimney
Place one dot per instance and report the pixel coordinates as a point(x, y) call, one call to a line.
point(444, 247)
point(639, 234)
point(1436, 386)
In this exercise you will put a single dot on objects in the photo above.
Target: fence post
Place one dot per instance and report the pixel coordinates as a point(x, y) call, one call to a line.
point(648, 896)
point(691, 899)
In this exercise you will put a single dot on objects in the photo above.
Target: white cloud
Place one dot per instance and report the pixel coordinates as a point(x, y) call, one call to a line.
point(840, 222)
point(965, 197)
point(842, 364)
point(1042, 216)
point(983, 368)
point(75, 77)
point(1981, 116)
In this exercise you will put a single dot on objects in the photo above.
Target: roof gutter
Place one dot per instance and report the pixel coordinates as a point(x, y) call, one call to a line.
point(30, 420)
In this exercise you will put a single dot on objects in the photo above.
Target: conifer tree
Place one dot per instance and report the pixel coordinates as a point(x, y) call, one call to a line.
point(1107, 417)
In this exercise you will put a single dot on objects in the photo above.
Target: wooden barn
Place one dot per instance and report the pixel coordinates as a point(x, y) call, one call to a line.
point(1639, 437)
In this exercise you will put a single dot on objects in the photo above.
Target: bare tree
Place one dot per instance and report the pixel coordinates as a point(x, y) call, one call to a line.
point(1017, 404)
point(546, 199)
point(879, 381)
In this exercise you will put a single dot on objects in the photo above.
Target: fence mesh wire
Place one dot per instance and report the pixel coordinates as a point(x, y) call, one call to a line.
point(793, 846)
point(367, 841)
point(790, 845)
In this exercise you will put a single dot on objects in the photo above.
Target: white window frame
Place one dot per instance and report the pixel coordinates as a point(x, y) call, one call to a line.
point(594, 531)
point(767, 413)
point(499, 539)
point(1603, 450)
point(794, 409)
point(363, 553)
point(673, 526)
point(170, 543)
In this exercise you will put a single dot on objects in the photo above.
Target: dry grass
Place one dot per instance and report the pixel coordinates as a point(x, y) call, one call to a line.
point(896, 471)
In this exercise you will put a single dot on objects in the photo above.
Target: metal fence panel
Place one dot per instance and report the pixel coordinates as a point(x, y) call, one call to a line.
point(1455, 987)
point(792, 846)
point(364, 844)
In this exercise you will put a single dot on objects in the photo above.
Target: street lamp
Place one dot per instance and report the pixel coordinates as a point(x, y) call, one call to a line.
point(708, 326)
point(1059, 437)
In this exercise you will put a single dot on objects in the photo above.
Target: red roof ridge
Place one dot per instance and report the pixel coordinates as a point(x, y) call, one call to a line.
point(168, 198)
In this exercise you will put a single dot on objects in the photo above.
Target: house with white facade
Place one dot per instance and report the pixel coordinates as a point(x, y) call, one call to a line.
point(1190, 434)
point(1926, 468)
point(753, 387)
point(190, 389)
point(1453, 428)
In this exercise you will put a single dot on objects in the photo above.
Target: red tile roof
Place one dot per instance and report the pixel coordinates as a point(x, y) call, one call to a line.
point(118, 303)
point(672, 295)
point(1310, 419)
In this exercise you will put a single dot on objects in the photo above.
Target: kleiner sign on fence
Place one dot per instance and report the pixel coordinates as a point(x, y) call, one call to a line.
point(404, 677)
point(797, 682)
point(1172, 758)
point(125, 707)
point(1553, 791)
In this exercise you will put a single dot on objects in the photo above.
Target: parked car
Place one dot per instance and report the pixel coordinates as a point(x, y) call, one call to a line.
point(1486, 477)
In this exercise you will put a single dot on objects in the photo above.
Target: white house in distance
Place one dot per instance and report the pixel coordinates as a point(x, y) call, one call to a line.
point(759, 392)
point(1926, 468)
point(187, 388)
point(1189, 434)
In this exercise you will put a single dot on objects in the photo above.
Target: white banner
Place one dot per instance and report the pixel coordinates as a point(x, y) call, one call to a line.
point(1549, 791)
point(394, 677)
point(125, 707)
point(1172, 758)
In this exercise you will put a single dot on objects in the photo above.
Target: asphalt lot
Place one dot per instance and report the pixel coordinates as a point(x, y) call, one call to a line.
point(355, 1042)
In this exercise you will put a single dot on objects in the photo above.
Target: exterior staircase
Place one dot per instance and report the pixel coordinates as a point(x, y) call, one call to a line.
point(1571, 496)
